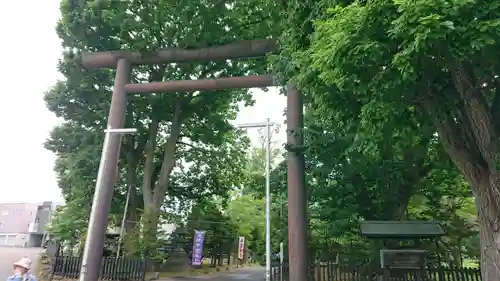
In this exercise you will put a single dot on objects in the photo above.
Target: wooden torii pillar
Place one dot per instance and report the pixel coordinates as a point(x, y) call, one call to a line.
point(123, 61)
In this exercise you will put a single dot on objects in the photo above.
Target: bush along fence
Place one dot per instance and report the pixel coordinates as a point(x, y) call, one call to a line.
point(329, 271)
point(111, 268)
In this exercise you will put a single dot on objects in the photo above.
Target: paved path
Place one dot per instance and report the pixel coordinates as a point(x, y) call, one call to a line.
point(9, 255)
point(242, 274)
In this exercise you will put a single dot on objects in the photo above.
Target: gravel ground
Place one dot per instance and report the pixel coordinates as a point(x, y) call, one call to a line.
point(242, 274)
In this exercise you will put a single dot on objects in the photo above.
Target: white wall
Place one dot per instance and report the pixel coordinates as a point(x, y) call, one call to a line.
point(14, 239)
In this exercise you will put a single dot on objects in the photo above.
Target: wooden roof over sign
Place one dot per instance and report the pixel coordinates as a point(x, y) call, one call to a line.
point(401, 229)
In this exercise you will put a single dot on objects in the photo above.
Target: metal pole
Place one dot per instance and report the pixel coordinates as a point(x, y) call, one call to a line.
point(106, 178)
point(268, 124)
point(268, 200)
point(281, 260)
point(122, 227)
point(298, 252)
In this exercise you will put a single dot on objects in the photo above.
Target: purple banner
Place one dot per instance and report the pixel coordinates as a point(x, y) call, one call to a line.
point(199, 237)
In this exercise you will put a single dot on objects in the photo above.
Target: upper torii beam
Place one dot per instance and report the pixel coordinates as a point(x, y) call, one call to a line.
point(237, 50)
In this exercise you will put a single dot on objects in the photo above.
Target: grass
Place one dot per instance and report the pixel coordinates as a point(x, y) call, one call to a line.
point(471, 263)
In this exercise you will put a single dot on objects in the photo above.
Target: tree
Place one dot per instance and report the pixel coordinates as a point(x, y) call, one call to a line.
point(78, 152)
point(220, 232)
point(70, 222)
point(455, 210)
point(254, 170)
point(248, 208)
point(192, 127)
point(429, 58)
point(247, 213)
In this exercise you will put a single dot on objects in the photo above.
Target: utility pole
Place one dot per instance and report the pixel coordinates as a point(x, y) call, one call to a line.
point(267, 125)
point(268, 200)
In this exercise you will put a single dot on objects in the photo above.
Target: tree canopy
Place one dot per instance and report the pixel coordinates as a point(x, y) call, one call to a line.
point(422, 72)
point(401, 119)
point(185, 148)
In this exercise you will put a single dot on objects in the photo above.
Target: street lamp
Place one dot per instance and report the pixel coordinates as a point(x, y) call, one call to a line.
point(97, 226)
point(268, 126)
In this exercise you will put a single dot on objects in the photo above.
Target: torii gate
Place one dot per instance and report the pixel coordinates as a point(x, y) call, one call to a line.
point(123, 61)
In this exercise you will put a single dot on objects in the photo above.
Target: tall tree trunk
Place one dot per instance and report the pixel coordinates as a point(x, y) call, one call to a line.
point(460, 255)
point(156, 190)
point(133, 216)
point(151, 141)
point(135, 148)
point(487, 202)
point(468, 134)
point(485, 179)
point(149, 167)
point(154, 196)
point(169, 158)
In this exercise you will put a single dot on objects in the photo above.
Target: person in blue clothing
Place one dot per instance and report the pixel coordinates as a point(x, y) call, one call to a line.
point(21, 268)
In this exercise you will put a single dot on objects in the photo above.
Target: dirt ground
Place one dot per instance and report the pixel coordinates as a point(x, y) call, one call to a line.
point(9, 255)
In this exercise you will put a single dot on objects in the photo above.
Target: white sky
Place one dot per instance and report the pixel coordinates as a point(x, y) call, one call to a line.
point(27, 174)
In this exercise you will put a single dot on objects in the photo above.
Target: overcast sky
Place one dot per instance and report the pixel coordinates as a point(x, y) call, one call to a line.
point(27, 30)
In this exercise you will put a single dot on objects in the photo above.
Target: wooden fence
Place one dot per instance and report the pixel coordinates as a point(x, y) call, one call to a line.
point(328, 271)
point(111, 268)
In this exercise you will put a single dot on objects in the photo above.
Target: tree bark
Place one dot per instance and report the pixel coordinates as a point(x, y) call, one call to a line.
point(134, 153)
point(147, 190)
point(155, 188)
point(169, 158)
point(132, 216)
point(486, 183)
point(487, 200)
point(469, 136)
